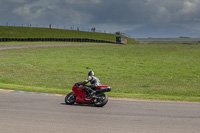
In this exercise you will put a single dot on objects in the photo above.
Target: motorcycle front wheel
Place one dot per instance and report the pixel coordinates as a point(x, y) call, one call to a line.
point(70, 99)
point(101, 100)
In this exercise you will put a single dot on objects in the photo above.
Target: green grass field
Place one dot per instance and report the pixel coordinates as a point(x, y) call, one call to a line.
point(28, 32)
point(164, 72)
point(188, 41)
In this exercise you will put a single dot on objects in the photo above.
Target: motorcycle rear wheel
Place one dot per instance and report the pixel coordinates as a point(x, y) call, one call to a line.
point(101, 101)
point(70, 98)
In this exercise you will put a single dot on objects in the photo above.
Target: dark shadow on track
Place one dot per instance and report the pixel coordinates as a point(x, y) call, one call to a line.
point(79, 104)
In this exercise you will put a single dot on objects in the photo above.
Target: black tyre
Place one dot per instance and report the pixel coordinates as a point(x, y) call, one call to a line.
point(101, 101)
point(70, 98)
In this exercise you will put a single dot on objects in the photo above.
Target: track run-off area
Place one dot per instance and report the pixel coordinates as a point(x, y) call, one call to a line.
point(40, 46)
point(24, 112)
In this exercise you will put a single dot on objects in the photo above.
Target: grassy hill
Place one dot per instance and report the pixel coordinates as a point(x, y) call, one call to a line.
point(167, 72)
point(32, 32)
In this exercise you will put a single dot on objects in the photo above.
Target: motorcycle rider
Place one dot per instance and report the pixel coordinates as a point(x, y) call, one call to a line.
point(93, 80)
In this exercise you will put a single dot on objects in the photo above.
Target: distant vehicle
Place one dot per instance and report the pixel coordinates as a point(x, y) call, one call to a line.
point(118, 33)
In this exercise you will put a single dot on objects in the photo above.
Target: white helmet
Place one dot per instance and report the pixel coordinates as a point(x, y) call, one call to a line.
point(91, 73)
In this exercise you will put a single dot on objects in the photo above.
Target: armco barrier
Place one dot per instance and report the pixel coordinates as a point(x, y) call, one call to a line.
point(53, 39)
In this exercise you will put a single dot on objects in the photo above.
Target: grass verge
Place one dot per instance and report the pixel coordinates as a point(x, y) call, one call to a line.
point(165, 72)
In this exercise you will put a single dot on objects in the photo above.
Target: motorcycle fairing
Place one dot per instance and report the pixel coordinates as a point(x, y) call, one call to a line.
point(104, 88)
point(80, 95)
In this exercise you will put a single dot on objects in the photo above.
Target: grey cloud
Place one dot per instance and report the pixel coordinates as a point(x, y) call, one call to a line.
point(107, 14)
point(83, 1)
point(16, 1)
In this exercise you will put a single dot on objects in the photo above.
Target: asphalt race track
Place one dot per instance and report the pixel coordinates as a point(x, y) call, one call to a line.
point(42, 46)
point(22, 112)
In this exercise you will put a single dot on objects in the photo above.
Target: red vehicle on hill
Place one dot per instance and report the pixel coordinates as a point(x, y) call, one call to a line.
point(96, 97)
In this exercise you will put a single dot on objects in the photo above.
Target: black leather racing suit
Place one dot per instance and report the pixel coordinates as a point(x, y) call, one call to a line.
point(93, 80)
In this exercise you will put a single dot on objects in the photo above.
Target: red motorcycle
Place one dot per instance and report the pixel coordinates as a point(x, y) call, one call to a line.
point(96, 97)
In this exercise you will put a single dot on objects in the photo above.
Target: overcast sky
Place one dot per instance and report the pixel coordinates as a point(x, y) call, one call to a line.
point(139, 18)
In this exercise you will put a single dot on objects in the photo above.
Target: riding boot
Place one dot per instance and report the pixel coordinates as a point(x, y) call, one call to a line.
point(87, 90)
